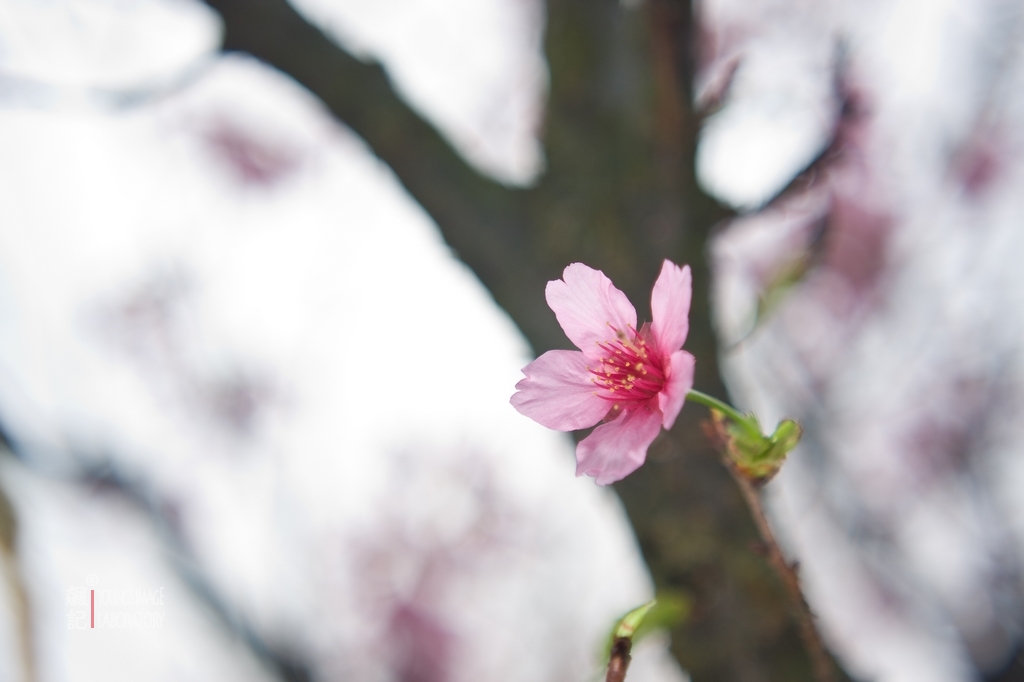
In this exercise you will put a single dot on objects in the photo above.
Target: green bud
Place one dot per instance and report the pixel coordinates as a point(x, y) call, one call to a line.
point(664, 612)
point(628, 624)
point(758, 456)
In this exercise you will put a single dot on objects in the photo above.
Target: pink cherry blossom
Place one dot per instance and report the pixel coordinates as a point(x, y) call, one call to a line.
point(634, 380)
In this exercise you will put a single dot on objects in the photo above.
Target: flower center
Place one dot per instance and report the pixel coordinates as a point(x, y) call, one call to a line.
point(628, 370)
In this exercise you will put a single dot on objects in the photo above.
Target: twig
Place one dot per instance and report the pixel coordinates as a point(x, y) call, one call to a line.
point(618, 663)
point(821, 662)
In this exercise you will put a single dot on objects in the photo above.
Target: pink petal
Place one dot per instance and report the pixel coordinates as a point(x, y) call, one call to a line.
point(589, 307)
point(616, 449)
point(670, 307)
point(679, 383)
point(558, 393)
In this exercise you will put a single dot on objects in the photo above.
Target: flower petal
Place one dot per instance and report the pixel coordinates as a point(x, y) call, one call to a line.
point(589, 307)
point(558, 393)
point(616, 449)
point(679, 383)
point(670, 307)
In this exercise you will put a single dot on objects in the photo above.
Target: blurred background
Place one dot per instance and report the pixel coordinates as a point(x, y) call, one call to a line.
point(269, 271)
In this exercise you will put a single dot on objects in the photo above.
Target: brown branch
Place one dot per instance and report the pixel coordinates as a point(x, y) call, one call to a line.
point(11, 574)
point(820, 658)
point(618, 663)
point(482, 220)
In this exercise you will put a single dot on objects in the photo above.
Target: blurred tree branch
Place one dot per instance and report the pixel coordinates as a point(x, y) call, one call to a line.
point(619, 194)
point(14, 584)
point(482, 220)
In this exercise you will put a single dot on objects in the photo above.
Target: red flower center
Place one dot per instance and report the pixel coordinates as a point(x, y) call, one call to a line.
point(629, 371)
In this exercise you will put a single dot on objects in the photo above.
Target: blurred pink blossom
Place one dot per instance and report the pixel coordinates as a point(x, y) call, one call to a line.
point(633, 380)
